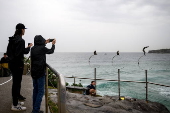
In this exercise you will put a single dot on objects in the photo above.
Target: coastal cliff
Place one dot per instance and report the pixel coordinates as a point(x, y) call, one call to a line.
point(78, 103)
point(160, 51)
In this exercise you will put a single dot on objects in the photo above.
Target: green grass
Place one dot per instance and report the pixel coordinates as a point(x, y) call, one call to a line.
point(53, 106)
point(50, 87)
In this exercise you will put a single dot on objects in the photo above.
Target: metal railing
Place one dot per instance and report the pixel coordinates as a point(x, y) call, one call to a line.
point(146, 82)
point(62, 86)
point(61, 90)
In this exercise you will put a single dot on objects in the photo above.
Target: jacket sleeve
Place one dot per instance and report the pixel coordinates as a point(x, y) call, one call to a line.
point(20, 48)
point(27, 50)
point(88, 87)
point(49, 51)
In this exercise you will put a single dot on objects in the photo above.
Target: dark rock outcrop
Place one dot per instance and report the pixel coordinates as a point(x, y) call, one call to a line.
point(78, 103)
point(160, 51)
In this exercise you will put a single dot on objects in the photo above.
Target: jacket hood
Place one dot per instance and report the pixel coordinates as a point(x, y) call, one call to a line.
point(39, 40)
point(15, 39)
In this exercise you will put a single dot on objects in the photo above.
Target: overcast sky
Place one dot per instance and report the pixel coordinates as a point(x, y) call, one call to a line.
point(88, 25)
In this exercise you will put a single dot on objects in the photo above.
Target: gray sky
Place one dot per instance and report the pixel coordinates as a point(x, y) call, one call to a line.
point(88, 25)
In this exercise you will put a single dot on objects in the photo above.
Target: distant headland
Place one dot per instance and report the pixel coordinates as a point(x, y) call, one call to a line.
point(160, 51)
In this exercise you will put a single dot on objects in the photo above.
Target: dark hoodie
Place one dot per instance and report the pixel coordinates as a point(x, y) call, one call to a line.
point(38, 57)
point(16, 50)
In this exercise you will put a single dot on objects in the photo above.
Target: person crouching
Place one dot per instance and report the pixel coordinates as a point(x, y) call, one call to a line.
point(91, 90)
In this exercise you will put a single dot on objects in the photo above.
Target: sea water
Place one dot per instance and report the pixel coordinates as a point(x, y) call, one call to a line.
point(107, 65)
point(132, 67)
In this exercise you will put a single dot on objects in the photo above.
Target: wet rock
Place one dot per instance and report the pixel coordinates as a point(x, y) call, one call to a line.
point(78, 103)
point(92, 105)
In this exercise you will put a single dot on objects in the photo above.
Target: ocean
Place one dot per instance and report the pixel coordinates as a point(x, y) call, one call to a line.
point(158, 66)
point(77, 64)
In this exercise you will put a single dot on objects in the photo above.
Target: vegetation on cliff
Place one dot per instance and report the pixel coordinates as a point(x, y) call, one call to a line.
point(160, 51)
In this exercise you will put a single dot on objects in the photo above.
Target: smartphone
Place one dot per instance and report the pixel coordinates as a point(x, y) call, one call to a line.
point(29, 44)
point(50, 40)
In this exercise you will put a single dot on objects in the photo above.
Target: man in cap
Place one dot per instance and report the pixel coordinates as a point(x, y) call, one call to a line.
point(15, 51)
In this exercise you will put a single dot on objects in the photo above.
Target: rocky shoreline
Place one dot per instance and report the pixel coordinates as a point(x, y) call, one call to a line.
point(160, 51)
point(78, 103)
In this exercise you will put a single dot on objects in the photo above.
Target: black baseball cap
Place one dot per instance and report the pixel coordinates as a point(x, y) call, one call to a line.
point(20, 26)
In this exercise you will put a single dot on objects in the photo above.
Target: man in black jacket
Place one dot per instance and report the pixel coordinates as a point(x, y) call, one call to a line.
point(5, 61)
point(15, 51)
point(91, 90)
point(38, 69)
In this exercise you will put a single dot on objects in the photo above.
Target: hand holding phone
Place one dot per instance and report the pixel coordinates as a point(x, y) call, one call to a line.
point(54, 41)
point(30, 44)
point(50, 40)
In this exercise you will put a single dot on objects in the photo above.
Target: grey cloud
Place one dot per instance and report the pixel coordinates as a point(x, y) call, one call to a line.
point(76, 23)
point(123, 10)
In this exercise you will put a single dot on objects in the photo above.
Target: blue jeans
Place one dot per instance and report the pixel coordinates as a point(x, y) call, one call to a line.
point(38, 93)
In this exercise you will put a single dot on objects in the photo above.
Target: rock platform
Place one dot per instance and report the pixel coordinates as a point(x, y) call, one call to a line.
point(78, 103)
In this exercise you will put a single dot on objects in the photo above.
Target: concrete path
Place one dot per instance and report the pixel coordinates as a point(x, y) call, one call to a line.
point(26, 91)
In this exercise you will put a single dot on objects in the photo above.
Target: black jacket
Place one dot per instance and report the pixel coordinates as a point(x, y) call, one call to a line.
point(38, 57)
point(16, 50)
point(4, 60)
point(88, 89)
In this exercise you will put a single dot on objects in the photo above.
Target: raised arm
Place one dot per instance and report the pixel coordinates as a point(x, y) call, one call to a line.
point(50, 51)
point(27, 49)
